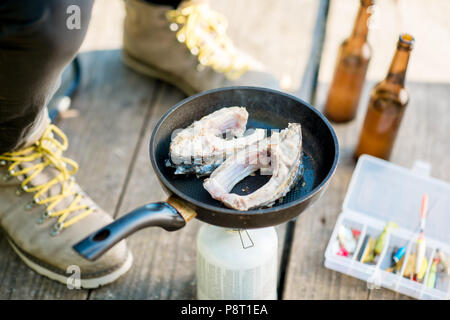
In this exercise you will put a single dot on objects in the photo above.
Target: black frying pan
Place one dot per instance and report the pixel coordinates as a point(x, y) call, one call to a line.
point(267, 109)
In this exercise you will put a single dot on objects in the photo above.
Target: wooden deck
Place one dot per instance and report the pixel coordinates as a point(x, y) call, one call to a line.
point(119, 108)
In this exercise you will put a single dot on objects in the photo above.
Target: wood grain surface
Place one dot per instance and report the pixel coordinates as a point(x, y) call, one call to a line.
point(424, 133)
point(119, 108)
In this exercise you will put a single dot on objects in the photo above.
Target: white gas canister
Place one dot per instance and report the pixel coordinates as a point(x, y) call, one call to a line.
point(236, 264)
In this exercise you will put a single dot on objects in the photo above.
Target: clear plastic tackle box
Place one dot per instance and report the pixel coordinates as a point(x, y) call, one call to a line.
point(380, 192)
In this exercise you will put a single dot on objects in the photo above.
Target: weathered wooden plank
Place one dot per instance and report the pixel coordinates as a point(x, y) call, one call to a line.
point(112, 98)
point(103, 144)
point(164, 263)
point(422, 136)
point(278, 34)
point(306, 92)
point(309, 81)
point(160, 270)
point(107, 130)
point(281, 37)
point(307, 278)
point(157, 253)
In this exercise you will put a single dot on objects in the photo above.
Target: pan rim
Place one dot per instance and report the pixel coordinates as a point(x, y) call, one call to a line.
point(211, 208)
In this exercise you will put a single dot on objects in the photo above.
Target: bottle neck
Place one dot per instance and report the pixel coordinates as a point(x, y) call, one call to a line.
point(361, 28)
point(399, 64)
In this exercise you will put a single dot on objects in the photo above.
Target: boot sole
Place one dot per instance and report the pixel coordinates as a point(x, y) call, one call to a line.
point(152, 71)
point(90, 283)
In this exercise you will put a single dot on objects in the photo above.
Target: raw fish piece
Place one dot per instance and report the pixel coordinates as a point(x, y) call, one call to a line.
point(200, 148)
point(236, 168)
point(284, 157)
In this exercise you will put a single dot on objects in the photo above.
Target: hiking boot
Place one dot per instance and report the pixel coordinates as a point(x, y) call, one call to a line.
point(43, 213)
point(187, 47)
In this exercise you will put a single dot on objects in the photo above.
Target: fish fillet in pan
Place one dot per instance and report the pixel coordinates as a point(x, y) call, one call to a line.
point(201, 147)
point(284, 158)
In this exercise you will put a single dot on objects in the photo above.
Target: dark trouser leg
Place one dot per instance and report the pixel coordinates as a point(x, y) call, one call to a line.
point(172, 3)
point(35, 46)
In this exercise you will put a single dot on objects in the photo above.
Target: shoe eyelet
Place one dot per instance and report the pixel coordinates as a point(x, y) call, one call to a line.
point(56, 229)
point(200, 67)
point(194, 51)
point(30, 205)
point(43, 217)
point(181, 38)
point(173, 27)
point(2, 163)
point(19, 191)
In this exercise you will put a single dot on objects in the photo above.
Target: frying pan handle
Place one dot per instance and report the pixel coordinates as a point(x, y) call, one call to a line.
point(159, 214)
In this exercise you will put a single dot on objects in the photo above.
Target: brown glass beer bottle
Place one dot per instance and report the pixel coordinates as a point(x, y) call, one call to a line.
point(387, 104)
point(350, 71)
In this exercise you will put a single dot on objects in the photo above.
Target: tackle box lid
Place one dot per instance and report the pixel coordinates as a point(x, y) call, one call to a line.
point(388, 192)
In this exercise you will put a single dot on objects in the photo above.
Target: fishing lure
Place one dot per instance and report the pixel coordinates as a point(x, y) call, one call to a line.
point(398, 255)
point(431, 281)
point(421, 243)
point(381, 241)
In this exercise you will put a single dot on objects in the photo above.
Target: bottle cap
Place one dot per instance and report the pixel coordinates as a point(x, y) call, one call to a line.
point(406, 40)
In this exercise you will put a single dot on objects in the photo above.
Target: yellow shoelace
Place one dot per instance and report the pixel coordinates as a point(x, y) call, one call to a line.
point(204, 33)
point(49, 150)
